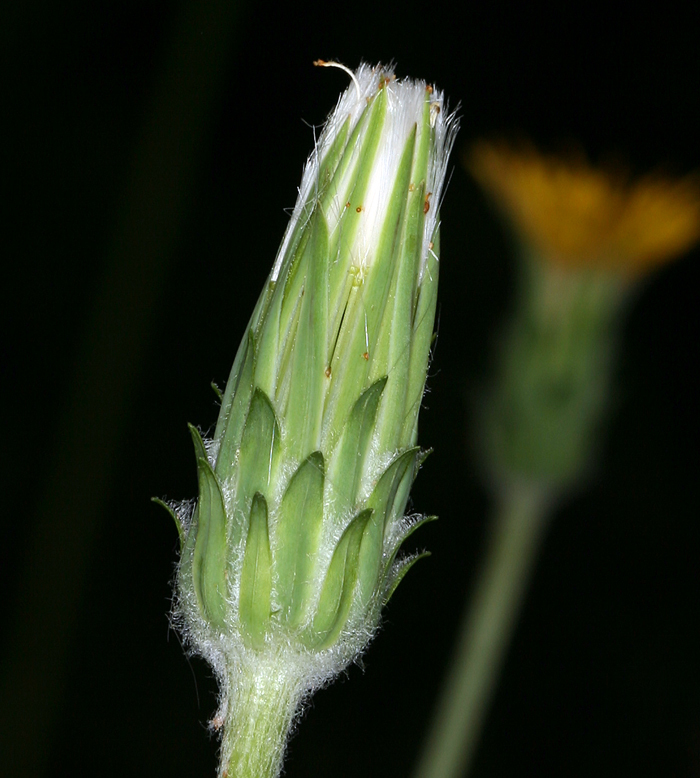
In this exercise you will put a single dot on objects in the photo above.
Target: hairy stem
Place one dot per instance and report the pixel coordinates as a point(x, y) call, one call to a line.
point(263, 699)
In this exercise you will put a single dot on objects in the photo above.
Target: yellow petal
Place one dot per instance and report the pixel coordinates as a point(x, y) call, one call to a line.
point(581, 216)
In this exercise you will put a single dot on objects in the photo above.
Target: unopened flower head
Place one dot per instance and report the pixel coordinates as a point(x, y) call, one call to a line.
point(580, 216)
point(292, 549)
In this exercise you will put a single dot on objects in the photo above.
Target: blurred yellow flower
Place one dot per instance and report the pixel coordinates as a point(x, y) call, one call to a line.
point(583, 217)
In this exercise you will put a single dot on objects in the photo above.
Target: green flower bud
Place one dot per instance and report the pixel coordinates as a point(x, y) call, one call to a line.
point(292, 548)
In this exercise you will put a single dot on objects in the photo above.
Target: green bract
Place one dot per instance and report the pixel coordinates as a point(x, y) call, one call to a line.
point(291, 550)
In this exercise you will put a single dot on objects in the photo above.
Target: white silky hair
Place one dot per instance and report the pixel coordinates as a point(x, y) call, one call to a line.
point(406, 100)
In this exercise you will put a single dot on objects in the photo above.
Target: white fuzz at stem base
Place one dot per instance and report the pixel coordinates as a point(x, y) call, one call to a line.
point(262, 705)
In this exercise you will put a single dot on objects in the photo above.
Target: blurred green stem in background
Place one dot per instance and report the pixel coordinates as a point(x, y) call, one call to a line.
point(95, 413)
point(486, 630)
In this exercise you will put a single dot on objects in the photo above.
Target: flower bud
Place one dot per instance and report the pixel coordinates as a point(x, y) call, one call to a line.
point(292, 548)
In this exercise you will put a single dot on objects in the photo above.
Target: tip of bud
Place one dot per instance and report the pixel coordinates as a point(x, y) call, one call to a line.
point(322, 63)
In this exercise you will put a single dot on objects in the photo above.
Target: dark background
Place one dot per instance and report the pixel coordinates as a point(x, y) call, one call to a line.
point(150, 151)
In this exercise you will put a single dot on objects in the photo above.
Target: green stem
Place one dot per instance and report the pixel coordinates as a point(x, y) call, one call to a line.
point(485, 632)
point(263, 700)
